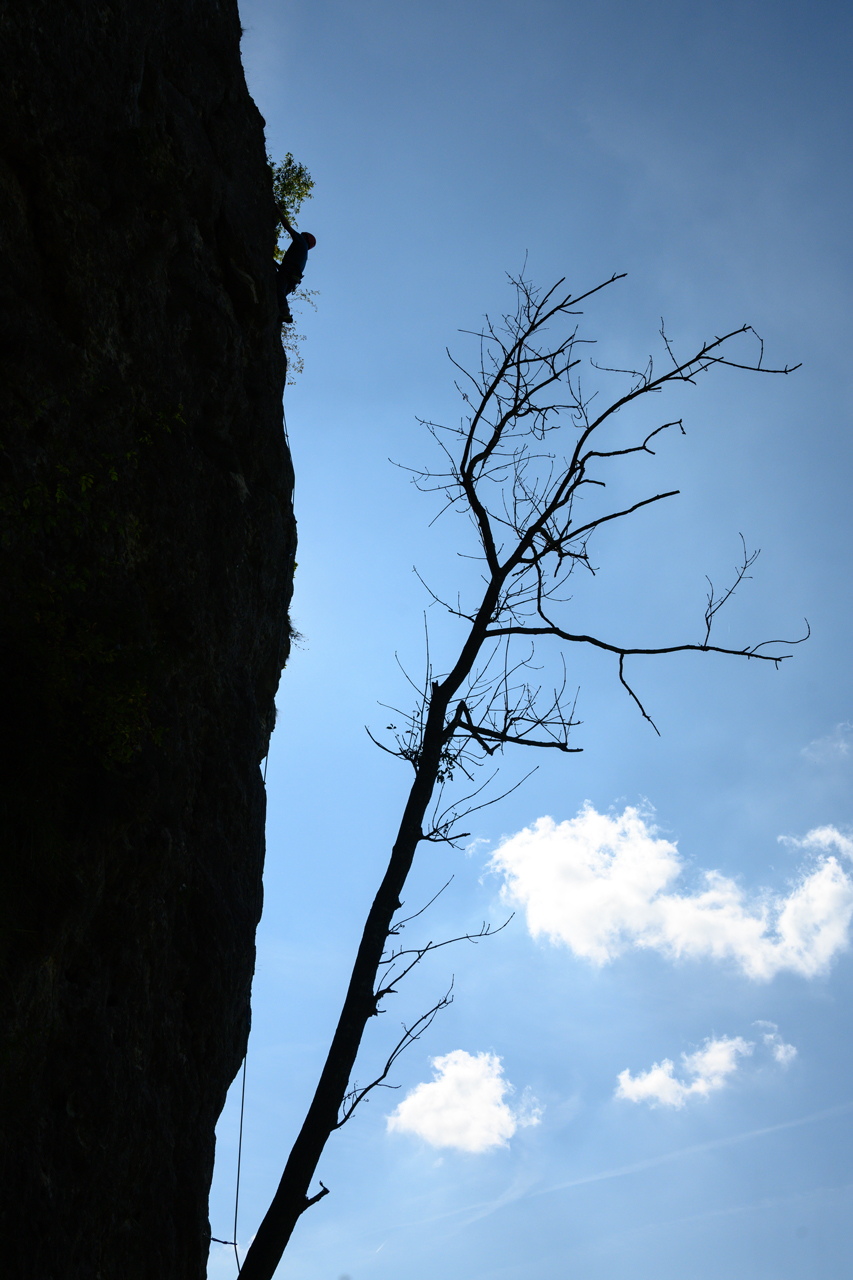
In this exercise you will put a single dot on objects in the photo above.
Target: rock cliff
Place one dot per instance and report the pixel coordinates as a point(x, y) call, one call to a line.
point(146, 555)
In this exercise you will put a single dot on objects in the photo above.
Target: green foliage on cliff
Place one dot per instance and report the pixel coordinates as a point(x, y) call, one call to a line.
point(291, 184)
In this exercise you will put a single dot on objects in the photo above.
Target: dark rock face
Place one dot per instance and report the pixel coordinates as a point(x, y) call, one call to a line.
point(146, 555)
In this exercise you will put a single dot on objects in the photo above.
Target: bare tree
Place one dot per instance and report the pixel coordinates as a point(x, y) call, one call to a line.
point(528, 449)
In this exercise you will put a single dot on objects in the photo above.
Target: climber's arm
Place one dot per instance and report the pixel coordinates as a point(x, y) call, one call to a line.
point(282, 217)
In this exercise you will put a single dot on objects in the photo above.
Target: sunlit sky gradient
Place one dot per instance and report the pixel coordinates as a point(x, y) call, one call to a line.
point(648, 1073)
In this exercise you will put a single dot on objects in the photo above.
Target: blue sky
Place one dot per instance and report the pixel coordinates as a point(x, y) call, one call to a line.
point(648, 1072)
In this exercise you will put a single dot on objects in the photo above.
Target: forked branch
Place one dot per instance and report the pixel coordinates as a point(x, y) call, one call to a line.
point(531, 444)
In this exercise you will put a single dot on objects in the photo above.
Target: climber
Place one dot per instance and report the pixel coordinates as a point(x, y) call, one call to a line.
point(289, 274)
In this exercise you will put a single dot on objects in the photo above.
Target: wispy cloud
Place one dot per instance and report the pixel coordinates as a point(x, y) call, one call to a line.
point(706, 1070)
point(600, 884)
point(821, 840)
point(709, 1066)
point(466, 1214)
point(464, 1106)
point(783, 1053)
point(837, 745)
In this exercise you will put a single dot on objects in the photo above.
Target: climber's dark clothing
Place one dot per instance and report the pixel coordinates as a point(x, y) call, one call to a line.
point(283, 286)
point(289, 273)
point(293, 263)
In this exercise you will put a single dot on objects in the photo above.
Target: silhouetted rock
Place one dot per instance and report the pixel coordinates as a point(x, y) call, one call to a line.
point(146, 555)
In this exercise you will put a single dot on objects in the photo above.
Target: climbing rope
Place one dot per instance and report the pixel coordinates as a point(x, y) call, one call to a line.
point(246, 1055)
point(240, 1147)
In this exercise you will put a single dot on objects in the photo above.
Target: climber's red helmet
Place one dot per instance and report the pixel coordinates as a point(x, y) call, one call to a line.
point(309, 239)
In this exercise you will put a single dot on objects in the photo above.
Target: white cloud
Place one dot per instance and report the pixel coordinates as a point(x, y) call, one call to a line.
point(783, 1053)
point(822, 839)
point(835, 746)
point(600, 884)
point(710, 1067)
point(474, 846)
point(463, 1106)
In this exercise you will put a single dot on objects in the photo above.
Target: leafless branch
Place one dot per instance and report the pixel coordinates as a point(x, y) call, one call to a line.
point(529, 462)
point(319, 1196)
point(400, 924)
point(443, 821)
point(391, 958)
point(355, 1095)
point(714, 605)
